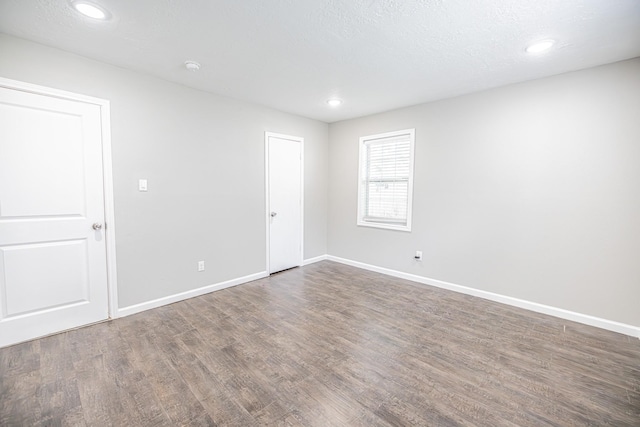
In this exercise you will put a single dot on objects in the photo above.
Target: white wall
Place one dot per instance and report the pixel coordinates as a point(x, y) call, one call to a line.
point(530, 191)
point(203, 156)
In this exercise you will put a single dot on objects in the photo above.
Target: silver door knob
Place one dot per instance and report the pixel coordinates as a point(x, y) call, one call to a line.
point(96, 226)
point(273, 214)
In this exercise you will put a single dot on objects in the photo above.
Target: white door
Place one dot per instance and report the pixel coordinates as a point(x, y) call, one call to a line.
point(53, 272)
point(284, 201)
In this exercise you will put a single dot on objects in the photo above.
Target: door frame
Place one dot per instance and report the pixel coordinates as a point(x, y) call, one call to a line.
point(267, 212)
point(107, 174)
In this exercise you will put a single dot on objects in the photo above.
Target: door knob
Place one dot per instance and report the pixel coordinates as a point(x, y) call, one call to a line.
point(96, 226)
point(273, 214)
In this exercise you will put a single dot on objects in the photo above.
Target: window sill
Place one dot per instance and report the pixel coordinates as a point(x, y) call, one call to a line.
point(406, 228)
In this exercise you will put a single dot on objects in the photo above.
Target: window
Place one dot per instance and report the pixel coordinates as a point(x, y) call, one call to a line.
point(386, 179)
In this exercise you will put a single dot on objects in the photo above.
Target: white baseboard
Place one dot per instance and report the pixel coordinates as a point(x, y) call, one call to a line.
point(586, 319)
point(137, 308)
point(314, 259)
point(148, 305)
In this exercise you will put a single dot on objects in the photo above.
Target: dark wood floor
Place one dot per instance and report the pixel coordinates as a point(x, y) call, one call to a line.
point(326, 345)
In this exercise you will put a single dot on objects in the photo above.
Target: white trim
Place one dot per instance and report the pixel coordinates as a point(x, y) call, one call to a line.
point(300, 140)
point(43, 90)
point(586, 319)
point(109, 210)
point(107, 174)
point(360, 221)
point(148, 305)
point(267, 208)
point(314, 259)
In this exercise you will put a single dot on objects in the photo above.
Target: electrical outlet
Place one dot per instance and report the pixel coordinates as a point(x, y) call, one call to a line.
point(200, 265)
point(418, 256)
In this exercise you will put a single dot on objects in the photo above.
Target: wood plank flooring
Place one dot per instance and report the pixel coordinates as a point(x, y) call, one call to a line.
point(325, 345)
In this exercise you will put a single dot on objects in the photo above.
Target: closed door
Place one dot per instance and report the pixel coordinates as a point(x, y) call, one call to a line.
point(53, 272)
point(284, 201)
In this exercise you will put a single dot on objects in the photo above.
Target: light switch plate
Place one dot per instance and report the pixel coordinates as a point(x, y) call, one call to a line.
point(142, 185)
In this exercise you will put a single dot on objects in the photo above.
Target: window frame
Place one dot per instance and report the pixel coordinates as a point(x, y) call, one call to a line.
point(362, 180)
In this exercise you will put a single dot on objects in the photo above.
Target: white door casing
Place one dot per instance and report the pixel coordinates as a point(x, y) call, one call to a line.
point(285, 183)
point(54, 275)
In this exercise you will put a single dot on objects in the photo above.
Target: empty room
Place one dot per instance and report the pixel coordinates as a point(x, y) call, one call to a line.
point(319, 213)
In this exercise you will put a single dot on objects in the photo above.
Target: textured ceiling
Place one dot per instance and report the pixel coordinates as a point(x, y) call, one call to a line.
point(376, 55)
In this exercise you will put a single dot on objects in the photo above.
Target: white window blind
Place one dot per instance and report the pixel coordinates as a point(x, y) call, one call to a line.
point(386, 175)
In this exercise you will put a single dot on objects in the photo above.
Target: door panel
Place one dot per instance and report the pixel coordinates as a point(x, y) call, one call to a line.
point(61, 277)
point(52, 262)
point(285, 203)
point(45, 188)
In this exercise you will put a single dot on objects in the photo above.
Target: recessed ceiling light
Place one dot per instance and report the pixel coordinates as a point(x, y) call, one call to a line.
point(540, 46)
point(334, 102)
point(91, 10)
point(192, 65)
